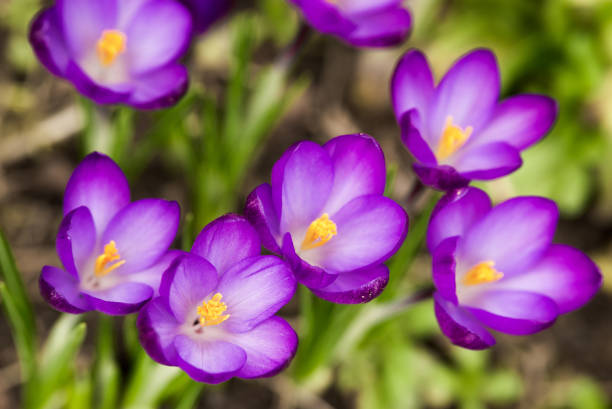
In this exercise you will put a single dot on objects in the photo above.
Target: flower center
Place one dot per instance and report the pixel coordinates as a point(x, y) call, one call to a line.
point(482, 273)
point(110, 255)
point(110, 45)
point(453, 137)
point(319, 232)
point(211, 311)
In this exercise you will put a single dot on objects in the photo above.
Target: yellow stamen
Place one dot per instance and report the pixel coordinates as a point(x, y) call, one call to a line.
point(482, 273)
point(110, 45)
point(453, 137)
point(110, 254)
point(319, 232)
point(211, 311)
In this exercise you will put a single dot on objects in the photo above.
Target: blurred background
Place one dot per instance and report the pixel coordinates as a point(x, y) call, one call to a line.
point(250, 100)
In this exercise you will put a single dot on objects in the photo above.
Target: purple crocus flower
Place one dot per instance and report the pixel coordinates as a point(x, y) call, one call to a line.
point(457, 131)
point(113, 252)
point(207, 12)
point(495, 267)
point(362, 23)
point(116, 52)
point(326, 214)
point(214, 317)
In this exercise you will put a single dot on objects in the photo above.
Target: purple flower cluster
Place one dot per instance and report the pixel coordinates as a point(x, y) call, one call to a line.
point(113, 250)
point(122, 52)
point(325, 213)
point(457, 131)
point(362, 23)
point(212, 311)
point(493, 267)
point(496, 267)
point(215, 313)
point(115, 51)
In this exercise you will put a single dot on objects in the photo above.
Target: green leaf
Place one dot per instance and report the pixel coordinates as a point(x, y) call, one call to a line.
point(81, 393)
point(56, 369)
point(106, 369)
point(22, 336)
point(148, 383)
point(15, 286)
point(188, 395)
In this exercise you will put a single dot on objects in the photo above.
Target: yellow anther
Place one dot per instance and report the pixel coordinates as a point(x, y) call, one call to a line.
point(110, 254)
point(453, 137)
point(211, 311)
point(110, 45)
point(482, 273)
point(319, 232)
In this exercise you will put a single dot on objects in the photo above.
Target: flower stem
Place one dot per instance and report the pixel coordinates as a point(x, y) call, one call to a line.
point(375, 315)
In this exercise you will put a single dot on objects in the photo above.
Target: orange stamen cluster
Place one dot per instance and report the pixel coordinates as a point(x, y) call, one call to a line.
point(211, 311)
point(110, 255)
point(111, 44)
point(319, 232)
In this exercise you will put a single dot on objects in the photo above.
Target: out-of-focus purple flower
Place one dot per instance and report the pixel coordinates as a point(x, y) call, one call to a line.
point(215, 314)
point(116, 52)
point(326, 214)
point(496, 267)
point(458, 131)
point(362, 23)
point(207, 12)
point(113, 252)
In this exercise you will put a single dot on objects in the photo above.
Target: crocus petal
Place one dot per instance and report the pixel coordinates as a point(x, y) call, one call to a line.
point(209, 361)
point(143, 231)
point(460, 325)
point(186, 283)
point(98, 184)
point(564, 274)
point(488, 161)
point(102, 94)
point(512, 235)
point(443, 268)
point(157, 328)
point(384, 28)
point(168, 41)
point(359, 169)
point(61, 289)
point(227, 241)
point(254, 290)
point(370, 229)
point(152, 276)
point(269, 348)
point(160, 88)
point(455, 213)
point(307, 274)
point(48, 41)
point(76, 240)
point(441, 177)
point(519, 121)
point(354, 7)
point(205, 13)
point(514, 312)
point(413, 140)
point(307, 180)
point(127, 11)
point(412, 85)
point(84, 21)
point(356, 287)
point(260, 211)
point(324, 16)
point(122, 299)
point(467, 93)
